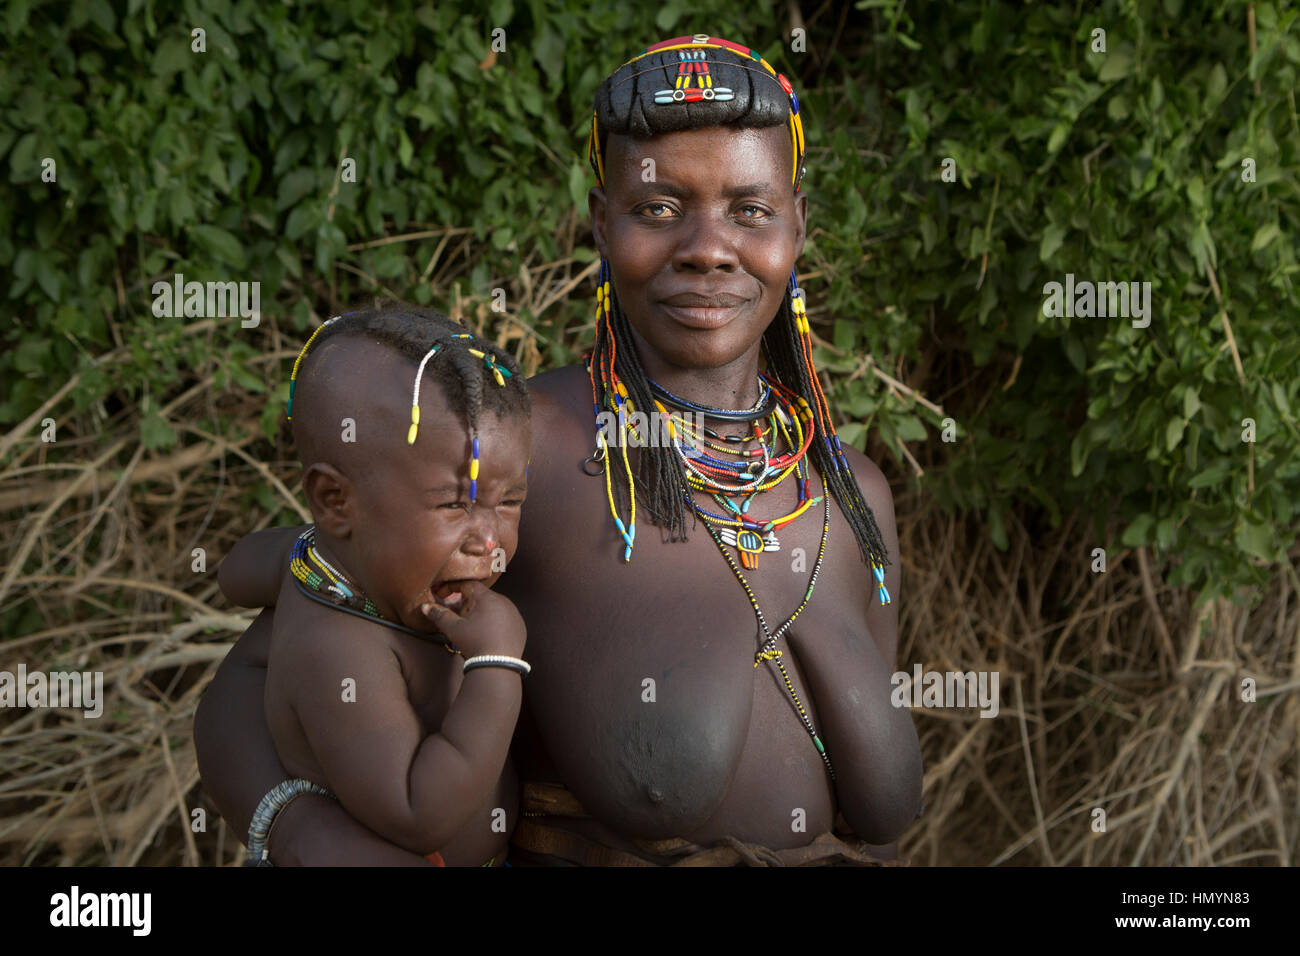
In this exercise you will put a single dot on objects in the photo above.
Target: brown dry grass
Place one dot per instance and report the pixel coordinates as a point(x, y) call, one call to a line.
point(1115, 692)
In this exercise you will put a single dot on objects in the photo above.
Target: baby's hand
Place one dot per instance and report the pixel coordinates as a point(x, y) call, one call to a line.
point(484, 623)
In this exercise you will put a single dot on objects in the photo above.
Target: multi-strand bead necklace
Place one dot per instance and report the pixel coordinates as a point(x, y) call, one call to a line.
point(323, 583)
point(746, 473)
point(750, 470)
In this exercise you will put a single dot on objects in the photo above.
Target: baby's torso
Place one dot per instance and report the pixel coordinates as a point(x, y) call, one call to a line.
point(433, 678)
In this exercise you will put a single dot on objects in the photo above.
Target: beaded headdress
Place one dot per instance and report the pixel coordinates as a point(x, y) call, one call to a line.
point(694, 84)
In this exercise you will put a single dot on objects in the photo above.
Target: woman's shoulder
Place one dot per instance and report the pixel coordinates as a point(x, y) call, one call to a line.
point(562, 416)
point(561, 393)
point(872, 482)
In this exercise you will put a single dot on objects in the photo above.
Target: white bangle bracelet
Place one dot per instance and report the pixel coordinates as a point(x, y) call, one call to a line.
point(515, 664)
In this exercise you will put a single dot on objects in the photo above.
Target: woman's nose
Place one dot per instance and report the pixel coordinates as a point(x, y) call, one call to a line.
point(705, 247)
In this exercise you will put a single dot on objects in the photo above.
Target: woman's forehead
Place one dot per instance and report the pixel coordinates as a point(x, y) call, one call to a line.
point(717, 152)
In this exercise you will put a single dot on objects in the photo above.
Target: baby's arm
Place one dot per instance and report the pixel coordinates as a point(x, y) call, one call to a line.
point(238, 762)
point(414, 789)
point(250, 574)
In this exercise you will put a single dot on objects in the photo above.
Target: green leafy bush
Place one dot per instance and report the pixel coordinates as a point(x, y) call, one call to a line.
point(226, 165)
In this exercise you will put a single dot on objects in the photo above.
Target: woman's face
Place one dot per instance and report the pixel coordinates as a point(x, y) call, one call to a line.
point(701, 229)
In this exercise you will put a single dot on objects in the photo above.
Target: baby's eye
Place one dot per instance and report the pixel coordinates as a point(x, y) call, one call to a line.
point(456, 505)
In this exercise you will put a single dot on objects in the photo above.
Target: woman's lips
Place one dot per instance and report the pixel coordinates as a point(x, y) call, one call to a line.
point(696, 317)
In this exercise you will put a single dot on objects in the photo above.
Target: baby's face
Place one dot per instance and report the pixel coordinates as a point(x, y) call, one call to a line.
point(419, 537)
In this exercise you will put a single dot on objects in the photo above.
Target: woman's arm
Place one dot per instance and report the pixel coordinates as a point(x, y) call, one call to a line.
point(250, 574)
point(238, 765)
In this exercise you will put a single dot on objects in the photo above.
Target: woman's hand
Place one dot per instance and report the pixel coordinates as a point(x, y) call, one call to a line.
point(315, 831)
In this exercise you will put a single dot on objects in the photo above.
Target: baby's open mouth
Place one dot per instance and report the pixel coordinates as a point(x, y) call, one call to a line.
point(450, 594)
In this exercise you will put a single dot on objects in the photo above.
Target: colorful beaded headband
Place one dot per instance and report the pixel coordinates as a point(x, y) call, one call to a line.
point(695, 84)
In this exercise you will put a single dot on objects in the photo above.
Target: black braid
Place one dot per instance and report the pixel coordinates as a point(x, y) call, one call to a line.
point(787, 364)
point(471, 373)
point(411, 331)
point(658, 468)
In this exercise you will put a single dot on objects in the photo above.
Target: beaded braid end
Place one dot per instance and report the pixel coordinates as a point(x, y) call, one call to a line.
point(499, 374)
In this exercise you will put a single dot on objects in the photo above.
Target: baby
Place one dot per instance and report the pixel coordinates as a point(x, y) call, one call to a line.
point(394, 678)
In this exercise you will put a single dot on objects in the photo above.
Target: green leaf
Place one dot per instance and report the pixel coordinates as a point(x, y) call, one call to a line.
point(244, 377)
point(578, 186)
point(1174, 433)
point(1212, 475)
point(172, 56)
point(910, 428)
point(1218, 82)
point(1138, 533)
point(1116, 67)
point(219, 244)
point(857, 212)
point(1060, 132)
point(1075, 353)
point(1191, 402)
point(22, 161)
point(155, 432)
point(1255, 539)
point(1264, 235)
point(294, 186)
point(997, 528)
point(1280, 397)
point(1053, 236)
point(48, 278)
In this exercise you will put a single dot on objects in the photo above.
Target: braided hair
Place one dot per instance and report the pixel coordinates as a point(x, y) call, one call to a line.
point(643, 98)
point(463, 372)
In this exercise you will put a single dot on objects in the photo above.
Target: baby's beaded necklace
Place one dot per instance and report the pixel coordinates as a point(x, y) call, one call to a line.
point(323, 583)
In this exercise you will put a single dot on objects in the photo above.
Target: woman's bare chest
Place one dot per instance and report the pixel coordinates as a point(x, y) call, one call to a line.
point(647, 694)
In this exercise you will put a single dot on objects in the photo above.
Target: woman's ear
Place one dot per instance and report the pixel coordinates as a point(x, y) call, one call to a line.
point(800, 221)
point(332, 498)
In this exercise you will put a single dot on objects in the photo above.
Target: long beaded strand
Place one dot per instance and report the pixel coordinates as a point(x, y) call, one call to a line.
point(769, 651)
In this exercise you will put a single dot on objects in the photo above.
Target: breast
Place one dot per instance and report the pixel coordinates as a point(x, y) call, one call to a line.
point(644, 703)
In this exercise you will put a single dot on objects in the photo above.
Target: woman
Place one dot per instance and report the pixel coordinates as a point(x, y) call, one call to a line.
point(675, 711)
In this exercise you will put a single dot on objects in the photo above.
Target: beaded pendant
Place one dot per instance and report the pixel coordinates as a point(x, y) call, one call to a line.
point(749, 544)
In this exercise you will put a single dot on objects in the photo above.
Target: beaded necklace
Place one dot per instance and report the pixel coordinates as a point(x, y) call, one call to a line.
point(742, 532)
point(752, 474)
point(768, 649)
point(323, 583)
